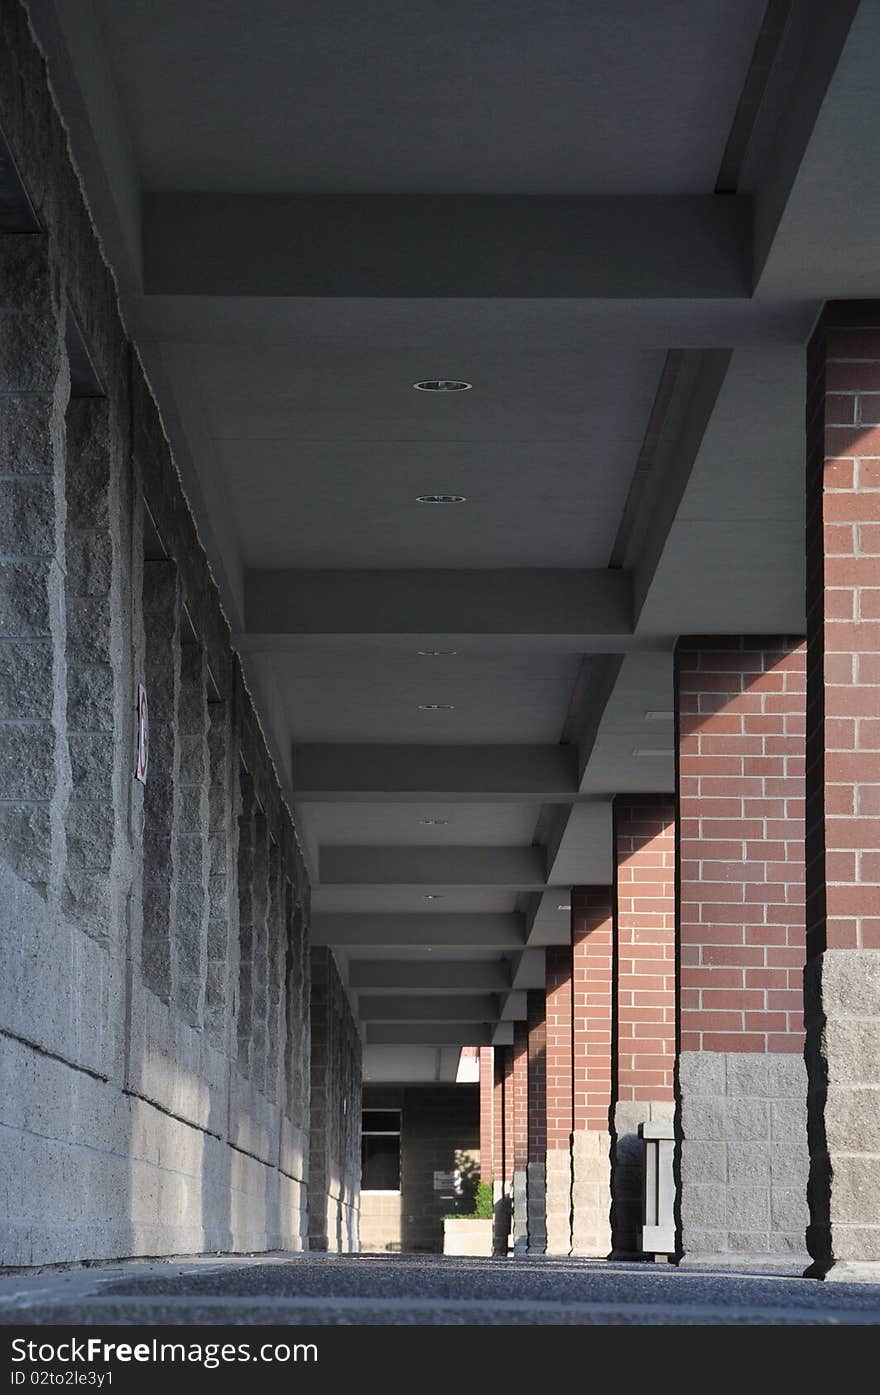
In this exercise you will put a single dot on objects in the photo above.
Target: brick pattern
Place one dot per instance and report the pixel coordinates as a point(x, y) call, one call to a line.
point(537, 1074)
point(740, 707)
point(487, 1111)
point(498, 1113)
point(509, 1114)
point(843, 629)
point(591, 967)
point(558, 1048)
point(843, 784)
point(644, 946)
point(520, 1095)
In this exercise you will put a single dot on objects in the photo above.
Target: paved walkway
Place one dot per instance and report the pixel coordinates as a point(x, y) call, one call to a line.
point(418, 1289)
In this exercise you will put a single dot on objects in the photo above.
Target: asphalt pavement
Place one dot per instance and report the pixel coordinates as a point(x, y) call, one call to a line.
point(327, 1290)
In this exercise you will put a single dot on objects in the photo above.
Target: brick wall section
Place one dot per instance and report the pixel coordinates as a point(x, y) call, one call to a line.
point(842, 986)
point(558, 1047)
point(537, 1074)
point(591, 959)
point(509, 1114)
point(644, 941)
point(487, 1106)
point(843, 626)
point(520, 1096)
point(498, 1113)
point(740, 711)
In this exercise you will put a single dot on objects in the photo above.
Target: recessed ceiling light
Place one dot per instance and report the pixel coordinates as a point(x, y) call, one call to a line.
point(432, 896)
point(442, 385)
point(436, 707)
point(658, 715)
point(661, 752)
point(563, 908)
point(433, 823)
point(441, 499)
point(436, 653)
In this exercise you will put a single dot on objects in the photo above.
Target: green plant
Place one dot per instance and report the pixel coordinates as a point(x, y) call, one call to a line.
point(484, 1203)
point(484, 1206)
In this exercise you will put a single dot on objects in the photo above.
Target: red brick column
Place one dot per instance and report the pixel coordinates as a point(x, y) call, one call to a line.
point(740, 707)
point(592, 946)
point(487, 1110)
point(499, 1133)
point(520, 1142)
point(537, 1119)
point(643, 1051)
point(559, 1098)
point(843, 789)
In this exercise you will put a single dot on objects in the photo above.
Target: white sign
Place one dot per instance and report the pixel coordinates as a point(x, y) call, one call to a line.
point(143, 726)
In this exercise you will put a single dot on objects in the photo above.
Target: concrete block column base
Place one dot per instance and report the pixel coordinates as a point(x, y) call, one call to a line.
point(558, 1179)
point(744, 1159)
point(591, 1193)
point(843, 1060)
point(537, 1208)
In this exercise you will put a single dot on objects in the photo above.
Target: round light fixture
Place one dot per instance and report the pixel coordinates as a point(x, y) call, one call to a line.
point(441, 499)
point(442, 385)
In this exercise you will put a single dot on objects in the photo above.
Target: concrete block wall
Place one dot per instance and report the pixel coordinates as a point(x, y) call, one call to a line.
point(154, 1005)
point(334, 1142)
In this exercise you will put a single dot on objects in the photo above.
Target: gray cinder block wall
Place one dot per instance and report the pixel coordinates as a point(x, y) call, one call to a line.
point(154, 1004)
point(334, 1171)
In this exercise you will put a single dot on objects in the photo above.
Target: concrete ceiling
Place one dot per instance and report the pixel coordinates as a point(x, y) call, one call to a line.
point(620, 231)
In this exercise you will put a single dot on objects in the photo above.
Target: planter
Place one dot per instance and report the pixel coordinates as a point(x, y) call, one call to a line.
point(465, 1235)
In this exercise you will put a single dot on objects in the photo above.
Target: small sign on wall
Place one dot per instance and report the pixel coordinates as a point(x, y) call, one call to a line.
point(143, 735)
point(444, 1182)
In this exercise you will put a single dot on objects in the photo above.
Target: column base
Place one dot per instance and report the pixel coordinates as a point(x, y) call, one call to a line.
point(591, 1194)
point(760, 1263)
point(558, 1201)
point(744, 1160)
point(846, 1271)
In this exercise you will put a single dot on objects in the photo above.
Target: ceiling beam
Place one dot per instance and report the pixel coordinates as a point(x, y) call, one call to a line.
point(439, 1034)
point(475, 1007)
point(519, 868)
point(350, 772)
point(576, 611)
point(478, 930)
point(671, 247)
point(367, 976)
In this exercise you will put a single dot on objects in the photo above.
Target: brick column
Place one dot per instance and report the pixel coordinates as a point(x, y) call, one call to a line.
point(843, 790)
point(559, 1099)
point(520, 1140)
point(500, 1133)
point(537, 1120)
point(643, 1052)
point(740, 869)
point(591, 1067)
point(487, 1109)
